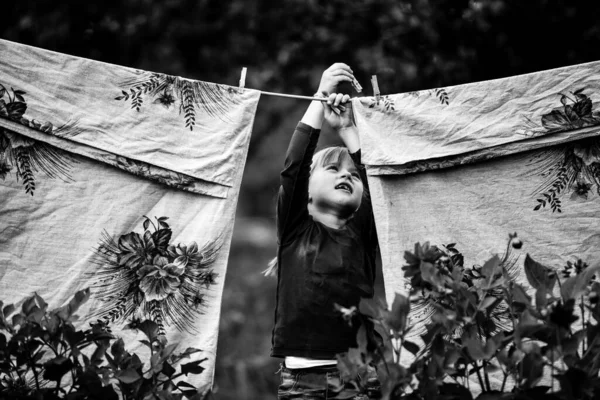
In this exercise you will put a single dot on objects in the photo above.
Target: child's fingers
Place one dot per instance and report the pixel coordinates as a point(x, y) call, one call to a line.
point(342, 66)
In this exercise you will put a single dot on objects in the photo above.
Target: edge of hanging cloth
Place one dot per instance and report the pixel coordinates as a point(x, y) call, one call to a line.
point(434, 164)
point(172, 179)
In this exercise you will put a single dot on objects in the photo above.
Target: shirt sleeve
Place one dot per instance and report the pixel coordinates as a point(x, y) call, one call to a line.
point(364, 218)
point(293, 191)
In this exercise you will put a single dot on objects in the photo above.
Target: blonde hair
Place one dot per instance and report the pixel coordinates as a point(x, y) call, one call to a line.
point(330, 155)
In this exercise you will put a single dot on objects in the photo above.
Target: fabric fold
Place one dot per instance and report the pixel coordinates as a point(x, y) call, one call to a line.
point(444, 127)
point(154, 121)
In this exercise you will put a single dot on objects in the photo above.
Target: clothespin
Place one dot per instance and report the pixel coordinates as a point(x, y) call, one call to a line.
point(356, 85)
point(376, 92)
point(243, 79)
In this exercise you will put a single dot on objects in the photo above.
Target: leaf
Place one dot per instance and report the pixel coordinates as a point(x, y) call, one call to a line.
point(183, 387)
point(474, 347)
point(17, 319)
point(3, 109)
point(555, 120)
point(583, 108)
point(519, 295)
point(117, 350)
point(371, 307)
point(67, 311)
point(56, 368)
point(146, 224)
point(571, 345)
point(28, 305)
point(193, 367)
point(16, 109)
point(429, 273)
point(8, 310)
point(489, 301)
point(412, 348)
point(574, 286)
point(128, 376)
point(490, 267)
point(168, 369)
point(161, 239)
point(150, 329)
point(399, 314)
point(454, 391)
point(40, 301)
point(538, 275)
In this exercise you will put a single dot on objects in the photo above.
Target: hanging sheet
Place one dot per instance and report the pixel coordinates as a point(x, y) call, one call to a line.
point(123, 181)
point(469, 164)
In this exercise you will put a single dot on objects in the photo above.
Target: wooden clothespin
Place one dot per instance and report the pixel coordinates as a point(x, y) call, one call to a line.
point(356, 85)
point(376, 92)
point(243, 79)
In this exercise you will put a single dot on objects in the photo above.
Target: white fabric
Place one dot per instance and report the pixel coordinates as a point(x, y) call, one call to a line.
point(73, 201)
point(301, 362)
point(443, 123)
point(470, 164)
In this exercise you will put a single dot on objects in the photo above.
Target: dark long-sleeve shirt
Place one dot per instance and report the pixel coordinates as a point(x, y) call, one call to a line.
point(318, 266)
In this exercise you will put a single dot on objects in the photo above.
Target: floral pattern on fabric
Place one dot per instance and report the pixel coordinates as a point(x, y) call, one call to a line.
point(144, 276)
point(576, 112)
point(24, 155)
point(575, 168)
point(190, 96)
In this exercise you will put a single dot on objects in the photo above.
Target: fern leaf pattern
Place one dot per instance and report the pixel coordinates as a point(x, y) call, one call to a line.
point(24, 170)
point(192, 96)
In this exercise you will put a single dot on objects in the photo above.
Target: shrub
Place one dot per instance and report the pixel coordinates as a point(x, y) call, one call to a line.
point(43, 356)
point(479, 325)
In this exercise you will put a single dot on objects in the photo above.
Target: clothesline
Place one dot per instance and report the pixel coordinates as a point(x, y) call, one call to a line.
point(294, 96)
point(354, 82)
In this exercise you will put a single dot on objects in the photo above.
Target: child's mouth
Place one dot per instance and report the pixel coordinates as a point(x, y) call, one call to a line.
point(344, 186)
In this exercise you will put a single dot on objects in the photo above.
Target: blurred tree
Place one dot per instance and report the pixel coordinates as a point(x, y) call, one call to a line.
point(409, 44)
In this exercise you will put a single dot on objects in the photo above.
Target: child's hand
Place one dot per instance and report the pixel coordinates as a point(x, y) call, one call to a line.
point(338, 112)
point(332, 76)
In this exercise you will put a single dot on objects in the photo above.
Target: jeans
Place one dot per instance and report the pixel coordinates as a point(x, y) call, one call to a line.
point(325, 383)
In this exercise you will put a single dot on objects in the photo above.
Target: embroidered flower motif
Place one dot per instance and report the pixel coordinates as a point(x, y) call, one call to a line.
point(161, 278)
point(581, 190)
point(185, 254)
point(143, 275)
point(135, 251)
point(166, 99)
point(588, 153)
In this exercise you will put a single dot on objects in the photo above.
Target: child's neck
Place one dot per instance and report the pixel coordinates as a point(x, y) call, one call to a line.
point(329, 219)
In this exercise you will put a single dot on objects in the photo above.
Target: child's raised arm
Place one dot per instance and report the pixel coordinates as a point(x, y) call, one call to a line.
point(331, 78)
point(338, 113)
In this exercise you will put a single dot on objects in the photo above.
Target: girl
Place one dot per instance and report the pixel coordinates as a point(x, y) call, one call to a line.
point(326, 255)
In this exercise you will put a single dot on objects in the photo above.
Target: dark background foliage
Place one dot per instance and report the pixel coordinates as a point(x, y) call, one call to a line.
point(410, 45)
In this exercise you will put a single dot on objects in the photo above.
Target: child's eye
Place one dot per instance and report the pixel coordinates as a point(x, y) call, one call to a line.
point(356, 175)
point(332, 167)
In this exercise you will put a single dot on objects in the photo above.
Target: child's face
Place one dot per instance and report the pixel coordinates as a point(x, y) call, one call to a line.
point(336, 186)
